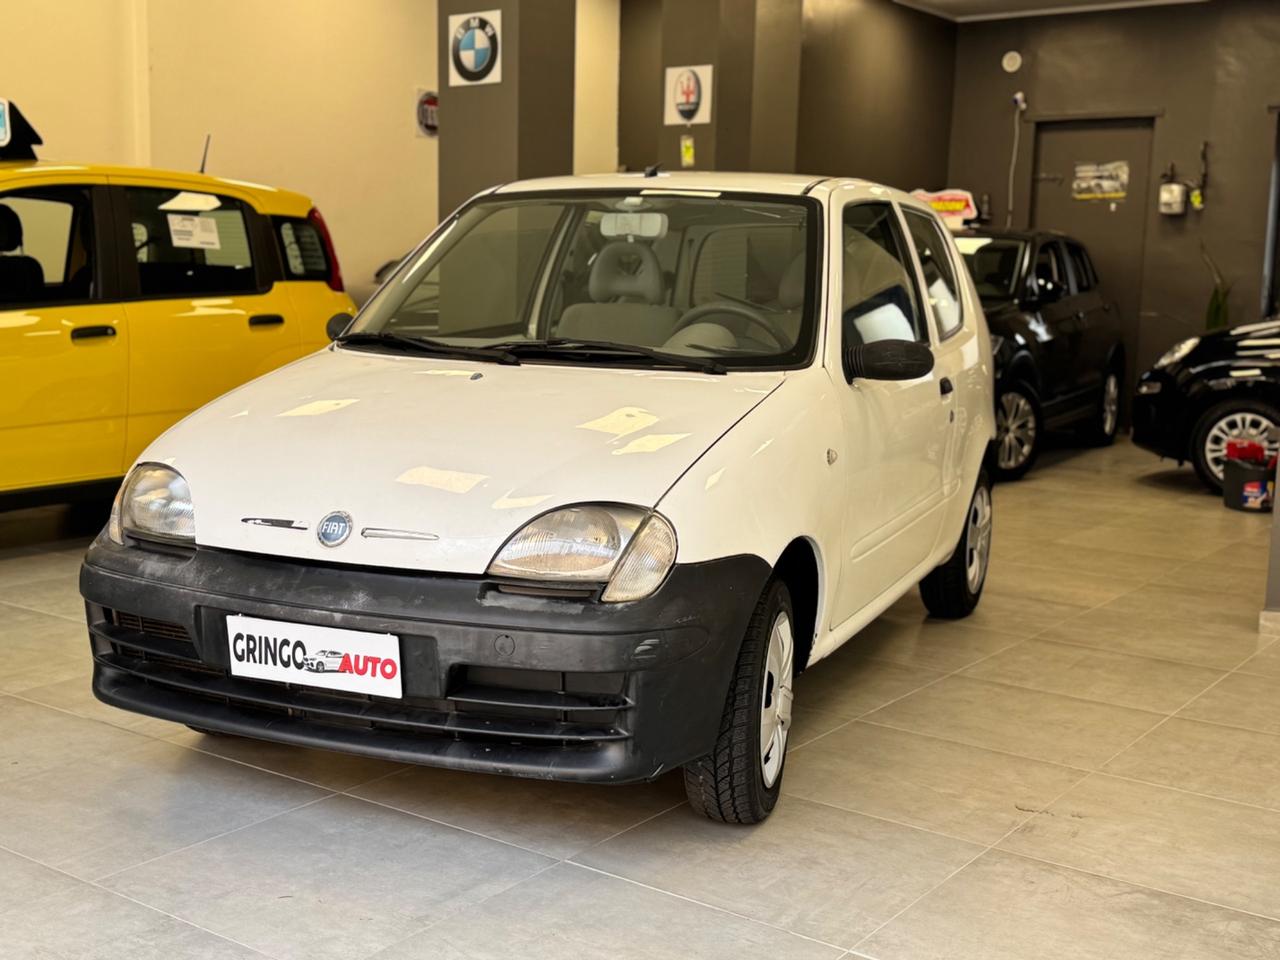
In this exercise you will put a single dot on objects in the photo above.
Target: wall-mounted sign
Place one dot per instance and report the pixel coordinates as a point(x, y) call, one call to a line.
point(475, 49)
point(4, 123)
point(1100, 181)
point(688, 95)
point(686, 151)
point(427, 113)
point(953, 206)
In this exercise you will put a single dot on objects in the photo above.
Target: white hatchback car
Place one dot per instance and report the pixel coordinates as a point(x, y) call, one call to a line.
point(600, 468)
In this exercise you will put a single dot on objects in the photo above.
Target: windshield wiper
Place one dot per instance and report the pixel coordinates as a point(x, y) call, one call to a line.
point(602, 349)
point(436, 348)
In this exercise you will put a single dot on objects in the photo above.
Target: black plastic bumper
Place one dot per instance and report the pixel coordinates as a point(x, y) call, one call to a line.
point(533, 686)
point(1160, 418)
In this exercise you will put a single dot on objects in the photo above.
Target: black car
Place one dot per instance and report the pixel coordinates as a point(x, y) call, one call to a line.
point(1207, 390)
point(1055, 338)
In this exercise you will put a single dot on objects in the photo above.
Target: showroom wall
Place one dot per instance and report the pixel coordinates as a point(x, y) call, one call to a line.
point(1201, 72)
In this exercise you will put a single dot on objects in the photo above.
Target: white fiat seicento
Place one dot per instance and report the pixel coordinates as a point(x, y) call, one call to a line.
point(600, 469)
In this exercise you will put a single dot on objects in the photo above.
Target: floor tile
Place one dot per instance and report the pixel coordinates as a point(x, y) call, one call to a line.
point(59, 596)
point(1245, 582)
point(1241, 700)
point(101, 815)
point(1207, 758)
point(1265, 663)
point(555, 819)
point(1009, 908)
point(849, 684)
point(571, 913)
point(1099, 561)
point(23, 881)
point(338, 879)
point(1146, 684)
point(1006, 613)
point(942, 645)
point(26, 636)
point(1166, 540)
point(952, 788)
point(75, 695)
point(1180, 602)
point(325, 768)
point(811, 869)
point(50, 738)
point(1043, 582)
point(1030, 723)
point(808, 725)
point(1225, 853)
point(34, 564)
point(1192, 640)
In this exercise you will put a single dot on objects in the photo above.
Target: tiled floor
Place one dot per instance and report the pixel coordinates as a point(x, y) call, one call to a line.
point(1089, 767)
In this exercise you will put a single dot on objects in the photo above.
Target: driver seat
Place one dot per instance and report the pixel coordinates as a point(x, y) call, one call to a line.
point(627, 294)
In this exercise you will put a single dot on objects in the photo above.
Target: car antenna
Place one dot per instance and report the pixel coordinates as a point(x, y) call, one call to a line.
point(652, 170)
point(204, 158)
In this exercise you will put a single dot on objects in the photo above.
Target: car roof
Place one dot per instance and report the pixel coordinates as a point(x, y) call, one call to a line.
point(266, 198)
point(984, 231)
point(783, 184)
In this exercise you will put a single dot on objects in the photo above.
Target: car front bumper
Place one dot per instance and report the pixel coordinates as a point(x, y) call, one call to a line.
point(550, 687)
point(1159, 417)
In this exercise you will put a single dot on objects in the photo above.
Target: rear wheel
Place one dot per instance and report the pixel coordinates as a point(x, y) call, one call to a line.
point(1237, 419)
point(953, 589)
point(1100, 430)
point(1018, 430)
point(739, 780)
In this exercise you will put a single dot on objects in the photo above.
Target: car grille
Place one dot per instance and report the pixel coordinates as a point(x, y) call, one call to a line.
point(504, 705)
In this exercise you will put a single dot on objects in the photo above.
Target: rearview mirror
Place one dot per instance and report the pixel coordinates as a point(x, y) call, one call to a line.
point(337, 325)
point(887, 360)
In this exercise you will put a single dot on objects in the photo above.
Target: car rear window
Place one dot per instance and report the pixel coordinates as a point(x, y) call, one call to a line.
point(301, 249)
point(187, 243)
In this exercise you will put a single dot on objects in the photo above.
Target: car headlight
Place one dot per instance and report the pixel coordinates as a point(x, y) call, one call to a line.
point(629, 548)
point(154, 503)
point(1177, 352)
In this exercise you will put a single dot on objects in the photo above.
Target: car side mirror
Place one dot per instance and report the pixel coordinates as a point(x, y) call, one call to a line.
point(337, 325)
point(887, 360)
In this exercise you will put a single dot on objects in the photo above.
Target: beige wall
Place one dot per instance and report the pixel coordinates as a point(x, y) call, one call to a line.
point(595, 81)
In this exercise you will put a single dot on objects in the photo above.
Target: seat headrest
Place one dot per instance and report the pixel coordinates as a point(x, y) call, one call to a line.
point(869, 270)
point(791, 287)
point(10, 230)
point(625, 269)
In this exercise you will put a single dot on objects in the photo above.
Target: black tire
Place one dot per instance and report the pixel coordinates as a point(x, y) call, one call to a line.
point(1200, 433)
point(728, 784)
point(948, 592)
point(1008, 414)
point(1100, 430)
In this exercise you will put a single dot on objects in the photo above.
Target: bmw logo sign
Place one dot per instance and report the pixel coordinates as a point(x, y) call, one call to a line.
point(475, 49)
point(334, 529)
point(688, 94)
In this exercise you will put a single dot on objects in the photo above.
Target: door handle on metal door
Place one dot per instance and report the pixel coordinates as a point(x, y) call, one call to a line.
point(86, 333)
point(945, 386)
point(266, 320)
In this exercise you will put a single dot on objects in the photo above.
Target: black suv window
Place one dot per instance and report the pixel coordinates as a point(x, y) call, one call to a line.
point(1050, 273)
point(880, 300)
point(190, 244)
point(46, 246)
point(1082, 267)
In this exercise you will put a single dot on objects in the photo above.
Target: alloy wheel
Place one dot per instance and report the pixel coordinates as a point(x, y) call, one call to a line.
point(1110, 404)
point(1238, 425)
point(1015, 430)
point(977, 539)
point(775, 699)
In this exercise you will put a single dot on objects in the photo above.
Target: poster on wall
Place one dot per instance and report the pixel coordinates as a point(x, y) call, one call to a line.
point(954, 206)
point(427, 112)
point(475, 48)
point(688, 95)
point(1100, 181)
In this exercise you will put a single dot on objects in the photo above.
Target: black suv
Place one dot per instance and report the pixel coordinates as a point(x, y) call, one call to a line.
point(1055, 338)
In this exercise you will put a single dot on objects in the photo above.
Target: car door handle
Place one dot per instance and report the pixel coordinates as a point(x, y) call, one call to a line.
point(266, 320)
point(945, 386)
point(87, 333)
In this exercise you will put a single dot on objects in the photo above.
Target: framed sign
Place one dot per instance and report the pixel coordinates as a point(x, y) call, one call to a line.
point(475, 48)
point(688, 95)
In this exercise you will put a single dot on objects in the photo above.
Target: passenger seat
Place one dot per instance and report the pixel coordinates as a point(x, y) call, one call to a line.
point(21, 277)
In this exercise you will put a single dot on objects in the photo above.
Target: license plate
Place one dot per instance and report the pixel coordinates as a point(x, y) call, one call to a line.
point(326, 657)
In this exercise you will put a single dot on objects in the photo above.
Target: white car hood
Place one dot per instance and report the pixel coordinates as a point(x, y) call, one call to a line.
point(464, 452)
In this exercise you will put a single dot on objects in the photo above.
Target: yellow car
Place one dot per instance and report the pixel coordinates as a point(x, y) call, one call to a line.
point(130, 297)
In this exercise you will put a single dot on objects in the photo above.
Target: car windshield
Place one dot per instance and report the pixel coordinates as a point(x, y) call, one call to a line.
point(995, 263)
point(637, 278)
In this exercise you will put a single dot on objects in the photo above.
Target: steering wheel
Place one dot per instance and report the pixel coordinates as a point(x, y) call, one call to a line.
point(750, 314)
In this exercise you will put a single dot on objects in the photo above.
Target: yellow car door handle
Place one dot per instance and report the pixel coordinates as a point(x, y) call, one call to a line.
point(87, 333)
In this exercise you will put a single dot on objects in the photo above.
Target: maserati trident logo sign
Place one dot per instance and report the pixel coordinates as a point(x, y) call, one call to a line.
point(334, 528)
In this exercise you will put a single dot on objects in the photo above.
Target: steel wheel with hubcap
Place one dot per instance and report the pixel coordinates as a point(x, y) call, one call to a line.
point(1224, 422)
point(1017, 431)
point(954, 588)
point(740, 779)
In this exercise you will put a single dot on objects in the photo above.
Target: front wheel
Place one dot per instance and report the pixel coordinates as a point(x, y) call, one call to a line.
point(739, 780)
point(953, 589)
point(1100, 430)
point(1237, 419)
point(1018, 430)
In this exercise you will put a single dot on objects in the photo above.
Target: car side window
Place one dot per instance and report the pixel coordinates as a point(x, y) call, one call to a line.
point(302, 249)
point(879, 298)
point(47, 249)
point(941, 284)
point(1050, 273)
point(190, 244)
point(1082, 268)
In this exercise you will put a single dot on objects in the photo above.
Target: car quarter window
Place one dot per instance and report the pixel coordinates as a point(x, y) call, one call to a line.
point(190, 244)
point(1081, 268)
point(302, 249)
point(879, 300)
point(1050, 273)
point(46, 247)
point(941, 283)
